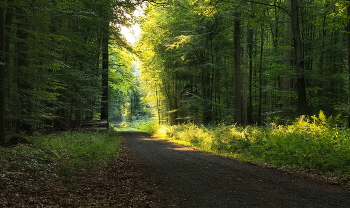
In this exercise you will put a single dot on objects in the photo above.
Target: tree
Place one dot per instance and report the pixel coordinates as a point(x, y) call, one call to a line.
point(237, 61)
point(298, 58)
point(348, 55)
point(105, 72)
point(2, 73)
point(53, 58)
point(290, 51)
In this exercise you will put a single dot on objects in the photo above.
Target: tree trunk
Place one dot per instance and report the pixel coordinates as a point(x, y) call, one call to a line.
point(259, 120)
point(245, 76)
point(250, 64)
point(105, 64)
point(237, 80)
point(287, 63)
point(348, 58)
point(25, 103)
point(298, 58)
point(2, 75)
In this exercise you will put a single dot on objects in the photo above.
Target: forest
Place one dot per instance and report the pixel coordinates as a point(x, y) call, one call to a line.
point(201, 61)
point(62, 62)
point(246, 62)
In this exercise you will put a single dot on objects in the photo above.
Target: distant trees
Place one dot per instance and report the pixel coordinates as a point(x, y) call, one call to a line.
point(54, 61)
point(285, 58)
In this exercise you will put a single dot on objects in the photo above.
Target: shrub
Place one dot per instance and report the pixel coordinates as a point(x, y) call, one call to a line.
point(313, 143)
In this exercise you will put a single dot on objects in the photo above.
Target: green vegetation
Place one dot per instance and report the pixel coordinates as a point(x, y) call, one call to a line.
point(198, 56)
point(61, 154)
point(61, 62)
point(310, 143)
point(146, 125)
point(82, 149)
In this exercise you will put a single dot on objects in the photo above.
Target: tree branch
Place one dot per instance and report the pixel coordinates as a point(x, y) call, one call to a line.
point(272, 5)
point(156, 3)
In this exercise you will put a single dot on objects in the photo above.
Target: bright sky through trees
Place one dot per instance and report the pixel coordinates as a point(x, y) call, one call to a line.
point(133, 32)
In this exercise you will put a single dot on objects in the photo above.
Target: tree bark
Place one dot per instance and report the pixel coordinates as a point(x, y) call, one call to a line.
point(237, 80)
point(23, 63)
point(298, 58)
point(287, 62)
point(250, 84)
point(348, 58)
point(2, 75)
point(105, 64)
point(259, 119)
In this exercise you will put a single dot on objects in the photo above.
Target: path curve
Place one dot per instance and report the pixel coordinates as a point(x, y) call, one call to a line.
point(205, 180)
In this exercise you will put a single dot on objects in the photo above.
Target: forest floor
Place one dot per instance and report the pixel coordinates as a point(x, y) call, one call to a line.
point(155, 173)
point(125, 182)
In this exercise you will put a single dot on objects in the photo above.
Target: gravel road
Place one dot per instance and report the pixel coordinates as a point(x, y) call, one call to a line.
point(203, 180)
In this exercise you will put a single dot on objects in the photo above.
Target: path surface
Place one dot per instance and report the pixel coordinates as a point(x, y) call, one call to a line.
point(203, 180)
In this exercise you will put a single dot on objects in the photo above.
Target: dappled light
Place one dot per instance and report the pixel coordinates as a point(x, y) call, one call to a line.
point(182, 149)
point(309, 144)
point(262, 81)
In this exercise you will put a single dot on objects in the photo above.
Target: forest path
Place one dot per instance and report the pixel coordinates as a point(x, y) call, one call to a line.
point(203, 180)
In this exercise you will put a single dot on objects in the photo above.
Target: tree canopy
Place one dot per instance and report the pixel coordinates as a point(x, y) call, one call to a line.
point(55, 61)
point(245, 62)
point(203, 61)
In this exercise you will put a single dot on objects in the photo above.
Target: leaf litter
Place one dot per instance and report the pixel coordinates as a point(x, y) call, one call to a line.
point(124, 182)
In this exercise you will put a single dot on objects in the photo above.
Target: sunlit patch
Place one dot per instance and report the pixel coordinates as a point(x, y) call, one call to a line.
point(182, 149)
point(147, 139)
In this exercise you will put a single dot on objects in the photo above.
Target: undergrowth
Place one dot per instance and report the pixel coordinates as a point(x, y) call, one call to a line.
point(146, 125)
point(60, 155)
point(310, 143)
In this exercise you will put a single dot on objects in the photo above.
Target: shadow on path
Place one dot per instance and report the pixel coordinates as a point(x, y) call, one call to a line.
point(205, 180)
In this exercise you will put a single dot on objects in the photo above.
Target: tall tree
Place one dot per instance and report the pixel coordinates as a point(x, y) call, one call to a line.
point(298, 58)
point(287, 60)
point(237, 61)
point(105, 72)
point(287, 56)
point(2, 73)
point(348, 56)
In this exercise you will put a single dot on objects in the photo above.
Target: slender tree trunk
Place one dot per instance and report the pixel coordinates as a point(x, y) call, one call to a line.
point(2, 75)
point(238, 81)
point(158, 105)
point(298, 58)
point(245, 76)
point(260, 77)
point(348, 57)
point(105, 64)
point(287, 62)
point(23, 63)
point(250, 84)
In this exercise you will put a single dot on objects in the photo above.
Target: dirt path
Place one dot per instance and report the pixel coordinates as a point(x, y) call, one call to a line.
point(202, 180)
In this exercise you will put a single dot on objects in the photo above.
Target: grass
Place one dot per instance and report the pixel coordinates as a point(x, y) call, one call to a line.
point(85, 150)
point(146, 125)
point(310, 143)
point(61, 154)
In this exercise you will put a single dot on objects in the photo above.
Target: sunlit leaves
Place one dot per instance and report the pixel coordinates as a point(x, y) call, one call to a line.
point(179, 40)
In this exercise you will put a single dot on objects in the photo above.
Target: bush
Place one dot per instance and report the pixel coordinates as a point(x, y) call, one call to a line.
point(309, 143)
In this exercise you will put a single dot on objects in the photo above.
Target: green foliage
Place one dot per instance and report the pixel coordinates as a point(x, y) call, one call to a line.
point(84, 150)
point(145, 125)
point(55, 161)
point(328, 122)
point(187, 48)
point(310, 145)
point(54, 62)
point(22, 158)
